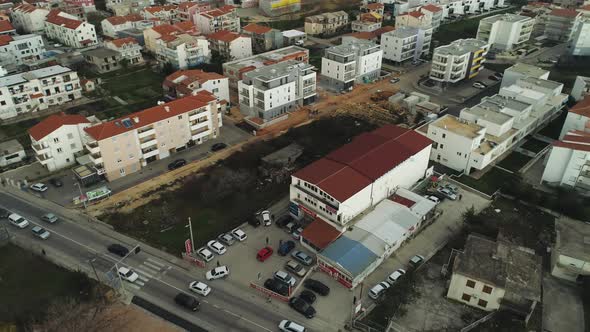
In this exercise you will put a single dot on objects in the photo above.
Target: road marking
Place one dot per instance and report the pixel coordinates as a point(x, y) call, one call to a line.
point(143, 278)
point(247, 320)
point(143, 272)
point(156, 262)
point(152, 266)
point(216, 306)
point(140, 283)
point(133, 286)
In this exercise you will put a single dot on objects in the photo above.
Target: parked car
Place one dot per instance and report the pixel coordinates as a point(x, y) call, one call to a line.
point(448, 193)
point(40, 232)
point(452, 188)
point(217, 273)
point(416, 261)
point(277, 287)
point(128, 274)
point(494, 78)
point(478, 85)
point(56, 182)
point(176, 164)
point(264, 253)
point(394, 80)
point(302, 257)
point(199, 288)
point(285, 277)
point(50, 218)
point(297, 233)
point(39, 187)
point(295, 268)
point(266, 221)
point(205, 254)
point(217, 247)
point(317, 286)
point(482, 83)
point(226, 238)
point(290, 326)
point(378, 290)
point(218, 146)
point(283, 220)
point(239, 235)
point(286, 247)
point(4, 213)
point(395, 276)
point(118, 249)
point(254, 222)
point(433, 198)
point(499, 75)
point(302, 307)
point(187, 301)
point(18, 221)
point(308, 296)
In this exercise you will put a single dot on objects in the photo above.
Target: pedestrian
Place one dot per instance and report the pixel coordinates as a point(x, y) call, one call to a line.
point(43, 252)
point(460, 196)
point(218, 265)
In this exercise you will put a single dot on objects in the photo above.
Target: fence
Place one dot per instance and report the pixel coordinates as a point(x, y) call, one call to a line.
point(268, 292)
point(479, 321)
point(193, 260)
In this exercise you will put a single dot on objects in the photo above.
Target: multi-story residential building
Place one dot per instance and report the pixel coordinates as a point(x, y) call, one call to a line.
point(151, 35)
point(18, 50)
point(87, 5)
point(112, 25)
point(73, 9)
point(568, 162)
point(434, 14)
point(6, 29)
point(279, 7)
point(406, 43)
point(234, 70)
point(189, 82)
point(579, 44)
point(223, 18)
point(581, 88)
point(293, 37)
point(69, 31)
point(264, 38)
point(522, 70)
point(373, 7)
point(270, 93)
point(230, 45)
point(561, 24)
point(491, 275)
point(166, 13)
point(182, 51)
point(57, 139)
point(573, 4)
point(326, 24)
point(102, 59)
point(123, 146)
point(129, 49)
point(37, 90)
point(577, 119)
point(414, 19)
point(186, 11)
point(28, 18)
point(539, 11)
point(356, 62)
point(367, 24)
point(461, 59)
point(486, 131)
point(126, 7)
point(505, 31)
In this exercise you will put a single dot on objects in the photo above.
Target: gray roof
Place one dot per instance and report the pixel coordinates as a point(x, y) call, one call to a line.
point(352, 47)
point(461, 46)
point(489, 112)
point(541, 82)
point(101, 52)
point(10, 147)
point(284, 156)
point(271, 72)
point(506, 18)
point(573, 238)
point(505, 102)
point(403, 32)
point(518, 270)
point(527, 70)
point(37, 73)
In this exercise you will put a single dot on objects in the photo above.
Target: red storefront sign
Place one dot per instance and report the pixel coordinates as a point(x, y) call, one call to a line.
point(334, 273)
point(193, 260)
point(268, 292)
point(188, 247)
point(307, 211)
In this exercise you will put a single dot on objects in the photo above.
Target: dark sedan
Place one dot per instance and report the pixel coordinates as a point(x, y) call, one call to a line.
point(317, 286)
point(176, 164)
point(302, 307)
point(218, 146)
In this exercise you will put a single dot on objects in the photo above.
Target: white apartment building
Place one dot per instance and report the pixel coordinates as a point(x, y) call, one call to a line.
point(37, 90)
point(57, 139)
point(486, 131)
point(268, 94)
point(568, 163)
point(19, 49)
point(522, 70)
point(129, 49)
point(461, 59)
point(124, 146)
point(326, 24)
point(28, 18)
point(579, 44)
point(70, 31)
point(166, 13)
point(505, 32)
point(358, 61)
point(182, 51)
point(364, 26)
point(189, 82)
point(151, 35)
point(434, 14)
point(577, 119)
point(406, 43)
point(223, 18)
point(581, 88)
point(112, 25)
point(414, 19)
point(126, 7)
point(561, 24)
point(230, 45)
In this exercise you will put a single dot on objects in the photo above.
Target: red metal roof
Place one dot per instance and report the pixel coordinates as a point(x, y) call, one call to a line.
point(55, 17)
point(575, 140)
point(5, 26)
point(5, 40)
point(582, 107)
point(432, 8)
point(53, 123)
point(564, 12)
point(320, 233)
point(402, 200)
point(256, 28)
point(224, 36)
point(150, 115)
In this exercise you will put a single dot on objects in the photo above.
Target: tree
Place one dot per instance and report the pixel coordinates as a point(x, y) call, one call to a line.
point(168, 68)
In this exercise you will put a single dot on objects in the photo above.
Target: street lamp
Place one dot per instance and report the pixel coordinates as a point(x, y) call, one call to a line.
point(77, 184)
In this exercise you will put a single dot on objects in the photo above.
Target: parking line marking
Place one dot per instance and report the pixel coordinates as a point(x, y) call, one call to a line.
point(155, 262)
point(140, 283)
point(143, 272)
point(143, 278)
point(152, 266)
point(133, 286)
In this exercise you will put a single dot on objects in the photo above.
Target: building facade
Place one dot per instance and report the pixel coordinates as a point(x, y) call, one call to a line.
point(189, 82)
point(18, 50)
point(561, 24)
point(223, 18)
point(434, 14)
point(29, 18)
point(263, 38)
point(230, 45)
point(326, 24)
point(461, 59)
point(69, 31)
point(182, 51)
point(505, 32)
point(414, 19)
point(569, 258)
point(129, 49)
point(166, 13)
point(103, 60)
point(579, 44)
point(112, 25)
point(406, 43)
point(279, 7)
point(581, 88)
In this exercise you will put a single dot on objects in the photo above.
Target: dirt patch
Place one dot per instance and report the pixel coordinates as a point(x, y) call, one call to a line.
point(138, 320)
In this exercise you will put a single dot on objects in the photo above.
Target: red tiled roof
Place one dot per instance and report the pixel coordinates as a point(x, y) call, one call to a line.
point(224, 36)
point(191, 75)
point(165, 29)
point(54, 17)
point(374, 6)
point(186, 5)
point(383, 30)
point(219, 11)
point(564, 12)
point(122, 41)
point(24, 7)
point(320, 234)
point(5, 40)
point(150, 115)
point(53, 123)
point(432, 8)
point(185, 25)
point(5, 26)
point(415, 14)
point(402, 200)
point(582, 107)
point(117, 20)
point(362, 35)
point(574, 140)
point(157, 9)
point(256, 28)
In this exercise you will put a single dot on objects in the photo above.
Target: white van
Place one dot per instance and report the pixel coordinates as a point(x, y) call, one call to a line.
point(289, 326)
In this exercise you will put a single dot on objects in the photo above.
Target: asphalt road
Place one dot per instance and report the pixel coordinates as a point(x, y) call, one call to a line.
point(227, 308)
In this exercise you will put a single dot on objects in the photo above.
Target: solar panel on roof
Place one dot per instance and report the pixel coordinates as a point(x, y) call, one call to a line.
point(127, 123)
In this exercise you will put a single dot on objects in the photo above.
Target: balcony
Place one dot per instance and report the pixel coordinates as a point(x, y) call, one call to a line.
point(146, 133)
point(93, 148)
point(44, 159)
point(40, 149)
point(195, 115)
point(147, 144)
point(195, 134)
point(96, 158)
point(150, 152)
point(199, 125)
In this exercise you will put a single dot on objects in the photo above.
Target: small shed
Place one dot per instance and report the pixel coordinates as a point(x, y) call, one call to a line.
point(283, 157)
point(87, 85)
point(11, 152)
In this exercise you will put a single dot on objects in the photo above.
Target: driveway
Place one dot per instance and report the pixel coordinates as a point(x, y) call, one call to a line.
point(562, 306)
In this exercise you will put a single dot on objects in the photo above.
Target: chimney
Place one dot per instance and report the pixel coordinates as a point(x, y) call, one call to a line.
point(167, 108)
point(136, 119)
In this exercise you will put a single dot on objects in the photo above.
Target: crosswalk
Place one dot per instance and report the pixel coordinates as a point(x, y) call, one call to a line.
point(149, 269)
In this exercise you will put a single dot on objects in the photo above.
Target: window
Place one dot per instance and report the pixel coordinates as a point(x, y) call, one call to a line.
point(482, 303)
point(470, 283)
point(73, 145)
point(487, 289)
point(444, 135)
point(180, 117)
point(119, 160)
point(56, 140)
point(122, 171)
point(59, 150)
point(466, 297)
point(70, 136)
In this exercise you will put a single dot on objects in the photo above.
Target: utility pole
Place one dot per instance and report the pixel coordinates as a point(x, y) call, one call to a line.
point(190, 227)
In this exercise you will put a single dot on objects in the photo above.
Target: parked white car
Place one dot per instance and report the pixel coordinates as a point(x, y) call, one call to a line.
point(290, 326)
point(205, 254)
point(479, 85)
point(128, 274)
point(432, 198)
point(217, 247)
point(266, 218)
point(217, 273)
point(395, 276)
point(239, 234)
point(285, 278)
point(40, 187)
point(378, 290)
point(200, 288)
point(18, 221)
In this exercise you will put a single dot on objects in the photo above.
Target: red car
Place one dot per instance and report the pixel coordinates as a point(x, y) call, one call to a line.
point(264, 254)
